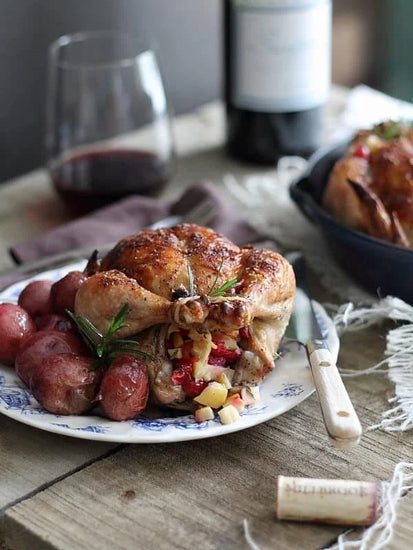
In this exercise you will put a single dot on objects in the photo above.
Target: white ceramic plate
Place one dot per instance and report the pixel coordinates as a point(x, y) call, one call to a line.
point(289, 384)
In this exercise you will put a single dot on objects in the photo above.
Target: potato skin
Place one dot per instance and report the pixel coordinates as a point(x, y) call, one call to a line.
point(55, 321)
point(63, 291)
point(40, 345)
point(35, 298)
point(125, 387)
point(15, 326)
point(65, 384)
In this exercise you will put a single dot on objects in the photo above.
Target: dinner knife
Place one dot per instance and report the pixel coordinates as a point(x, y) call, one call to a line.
point(340, 418)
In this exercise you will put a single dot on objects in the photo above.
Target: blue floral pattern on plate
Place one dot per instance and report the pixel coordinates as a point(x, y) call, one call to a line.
point(284, 388)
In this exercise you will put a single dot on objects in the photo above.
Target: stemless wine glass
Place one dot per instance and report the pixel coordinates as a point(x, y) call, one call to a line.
point(108, 131)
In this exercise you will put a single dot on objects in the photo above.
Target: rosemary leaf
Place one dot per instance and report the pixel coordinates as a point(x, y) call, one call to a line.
point(106, 346)
point(100, 350)
point(388, 130)
point(119, 321)
point(88, 331)
point(223, 289)
point(211, 290)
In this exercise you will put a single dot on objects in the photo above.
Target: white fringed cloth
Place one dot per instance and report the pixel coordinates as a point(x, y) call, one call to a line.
point(271, 211)
point(267, 205)
point(398, 360)
point(379, 534)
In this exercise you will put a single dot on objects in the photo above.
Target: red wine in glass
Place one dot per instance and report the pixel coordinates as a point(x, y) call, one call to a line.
point(92, 179)
point(108, 132)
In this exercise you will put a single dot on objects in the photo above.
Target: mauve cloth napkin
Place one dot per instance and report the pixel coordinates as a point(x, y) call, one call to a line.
point(127, 217)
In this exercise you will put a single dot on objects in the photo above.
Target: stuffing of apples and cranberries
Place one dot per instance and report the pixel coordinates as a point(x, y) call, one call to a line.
point(203, 366)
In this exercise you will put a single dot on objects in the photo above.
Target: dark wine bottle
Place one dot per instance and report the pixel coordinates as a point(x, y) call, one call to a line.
point(277, 76)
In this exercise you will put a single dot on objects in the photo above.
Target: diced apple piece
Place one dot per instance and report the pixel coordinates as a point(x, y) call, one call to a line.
point(223, 379)
point(199, 370)
point(211, 372)
point(230, 343)
point(213, 395)
point(373, 142)
point(207, 372)
point(201, 349)
point(250, 395)
point(236, 401)
point(203, 414)
point(215, 372)
point(247, 397)
point(229, 414)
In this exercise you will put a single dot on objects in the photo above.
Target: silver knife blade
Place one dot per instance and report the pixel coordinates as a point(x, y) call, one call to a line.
point(304, 324)
point(340, 418)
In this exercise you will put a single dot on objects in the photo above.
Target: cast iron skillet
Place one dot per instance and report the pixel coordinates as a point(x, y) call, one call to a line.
point(380, 267)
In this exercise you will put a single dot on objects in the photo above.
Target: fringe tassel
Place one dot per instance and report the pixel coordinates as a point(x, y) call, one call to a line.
point(379, 534)
point(248, 538)
point(398, 355)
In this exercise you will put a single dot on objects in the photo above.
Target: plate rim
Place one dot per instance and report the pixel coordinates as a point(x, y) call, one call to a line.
point(213, 429)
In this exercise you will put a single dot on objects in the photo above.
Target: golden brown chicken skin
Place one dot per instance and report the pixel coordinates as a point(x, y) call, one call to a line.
point(172, 280)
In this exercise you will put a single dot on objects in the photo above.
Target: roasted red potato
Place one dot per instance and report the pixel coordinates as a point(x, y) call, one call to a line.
point(42, 344)
point(124, 389)
point(15, 326)
point(65, 383)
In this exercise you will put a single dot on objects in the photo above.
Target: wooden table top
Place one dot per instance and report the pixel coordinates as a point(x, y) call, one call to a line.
point(61, 493)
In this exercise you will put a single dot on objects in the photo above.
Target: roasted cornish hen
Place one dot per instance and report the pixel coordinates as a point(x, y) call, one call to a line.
point(204, 309)
point(370, 189)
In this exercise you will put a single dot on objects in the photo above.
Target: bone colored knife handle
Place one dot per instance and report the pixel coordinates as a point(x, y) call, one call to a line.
point(340, 418)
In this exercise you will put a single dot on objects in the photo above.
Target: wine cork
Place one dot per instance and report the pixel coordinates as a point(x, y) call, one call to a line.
point(341, 502)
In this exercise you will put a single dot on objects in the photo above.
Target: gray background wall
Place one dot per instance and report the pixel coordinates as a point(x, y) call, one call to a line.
point(372, 43)
point(185, 31)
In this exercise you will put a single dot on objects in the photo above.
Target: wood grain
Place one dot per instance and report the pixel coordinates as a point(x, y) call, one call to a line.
point(196, 494)
point(31, 459)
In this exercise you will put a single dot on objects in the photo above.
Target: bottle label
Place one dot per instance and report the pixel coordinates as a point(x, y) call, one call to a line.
point(281, 54)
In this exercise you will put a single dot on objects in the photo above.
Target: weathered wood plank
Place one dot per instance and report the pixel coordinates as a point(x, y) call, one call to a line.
point(195, 495)
point(31, 459)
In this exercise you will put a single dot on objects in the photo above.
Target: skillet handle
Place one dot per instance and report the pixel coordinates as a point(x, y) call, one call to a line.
point(303, 199)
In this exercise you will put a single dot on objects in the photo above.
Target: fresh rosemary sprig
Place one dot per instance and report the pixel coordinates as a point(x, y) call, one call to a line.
point(211, 290)
point(107, 346)
point(224, 288)
point(388, 130)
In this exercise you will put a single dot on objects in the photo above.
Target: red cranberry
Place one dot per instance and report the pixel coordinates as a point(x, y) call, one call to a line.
point(181, 375)
point(362, 151)
point(192, 388)
point(244, 333)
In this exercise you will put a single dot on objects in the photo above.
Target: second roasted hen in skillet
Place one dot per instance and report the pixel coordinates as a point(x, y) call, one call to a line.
point(370, 189)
